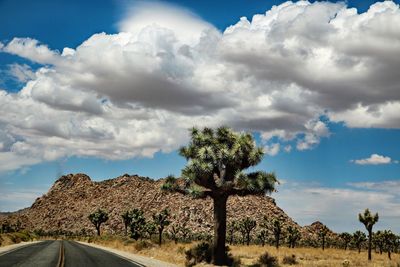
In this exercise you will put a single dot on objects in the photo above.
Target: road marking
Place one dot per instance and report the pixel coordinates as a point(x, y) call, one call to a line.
point(60, 262)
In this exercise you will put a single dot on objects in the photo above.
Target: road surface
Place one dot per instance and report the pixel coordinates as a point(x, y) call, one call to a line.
point(62, 254)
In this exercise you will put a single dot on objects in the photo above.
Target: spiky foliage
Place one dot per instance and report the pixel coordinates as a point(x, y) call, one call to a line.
point(322, 235)
point(126, 218)
point(98, 218)
point(277, 230)
point(173, 233)
point(150, 228)
point(232, 228)
point(161, 221)
point(389, 242)
point(247, 225)
point(377, 240)
point(368, 220)
point(185, 233)
point(262, 237)
point(217, 160)
point(358, 239)
point(138, 223)
point(293, 235)
point(346, 238)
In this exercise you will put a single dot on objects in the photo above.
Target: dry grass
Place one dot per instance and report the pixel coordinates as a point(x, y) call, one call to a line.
point(310, 257)
point(306, 257)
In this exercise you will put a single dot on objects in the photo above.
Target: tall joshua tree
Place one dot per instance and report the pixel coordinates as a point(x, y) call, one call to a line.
point(97, 218)
point(246, 226)
point(277, 230)
point(161, 221)
point(346, 237)
point(322, 235)
point(216, 163)
point(368, 220)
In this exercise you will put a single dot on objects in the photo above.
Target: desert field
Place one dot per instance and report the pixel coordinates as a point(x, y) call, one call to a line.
point(248, 255)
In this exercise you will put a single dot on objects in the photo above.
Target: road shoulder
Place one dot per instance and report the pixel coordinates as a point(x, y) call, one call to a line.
point(9, 248)
point(148, 262)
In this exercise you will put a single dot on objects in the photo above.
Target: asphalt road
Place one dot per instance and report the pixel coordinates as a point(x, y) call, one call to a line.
point(62, 254)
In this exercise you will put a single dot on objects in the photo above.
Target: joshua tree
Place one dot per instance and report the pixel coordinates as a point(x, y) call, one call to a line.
point(262, 236)
point(173, 233)
point(217, 160)
point(389, 242)
point(346, 237)
point(185, 233)
point(277, 230)
point(97, 218)
point(127, 218)
point(138, 223)
point(150, 228)
point(246, 226)
point(378, 240)
point(232, 228)
point(368, 220)
point(322, 235)
point(293, 236)
point(359, 238)
point(161, 221)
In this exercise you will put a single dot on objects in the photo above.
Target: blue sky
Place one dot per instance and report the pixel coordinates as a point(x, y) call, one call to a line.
point(332, 140)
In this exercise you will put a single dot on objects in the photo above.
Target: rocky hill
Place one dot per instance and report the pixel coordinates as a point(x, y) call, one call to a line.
point(72, 198)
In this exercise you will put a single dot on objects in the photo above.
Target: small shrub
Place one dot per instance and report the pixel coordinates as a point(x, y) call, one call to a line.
point(290, 260)
point(180, 250)
point(142, 244)
point(346, 263)
point(267, 260)
point(128, 242)
point(199, 253)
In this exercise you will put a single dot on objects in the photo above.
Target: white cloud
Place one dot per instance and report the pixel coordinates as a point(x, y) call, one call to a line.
point(374, 159)
point(134, 93)
point(31, 49)
point(21, 72)
point(339, 207)
point(272, 149)
point(288, 148)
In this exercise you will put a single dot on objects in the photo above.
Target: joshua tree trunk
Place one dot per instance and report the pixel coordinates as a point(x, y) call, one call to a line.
point(277, 242)
point(369, 244)
point(98, 229)
point(389, 255)
point(323, 243)
point(248, 238)
point(159, 237)
point(359, 249)
point(219, 255)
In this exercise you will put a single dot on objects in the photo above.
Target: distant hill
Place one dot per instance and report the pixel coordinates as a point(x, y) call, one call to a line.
point(73, 197)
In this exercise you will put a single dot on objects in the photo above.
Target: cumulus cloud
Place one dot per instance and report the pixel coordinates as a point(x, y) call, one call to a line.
point(307, 203)
point(374, 159)
point(134, 93)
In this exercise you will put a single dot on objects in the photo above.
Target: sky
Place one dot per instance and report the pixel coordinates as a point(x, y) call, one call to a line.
point(111, 87)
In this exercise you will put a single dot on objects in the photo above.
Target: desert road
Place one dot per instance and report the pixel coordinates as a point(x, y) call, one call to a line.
point(62, 254)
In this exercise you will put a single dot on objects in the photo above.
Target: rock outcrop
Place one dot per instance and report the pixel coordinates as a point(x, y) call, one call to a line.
point(73, 197)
